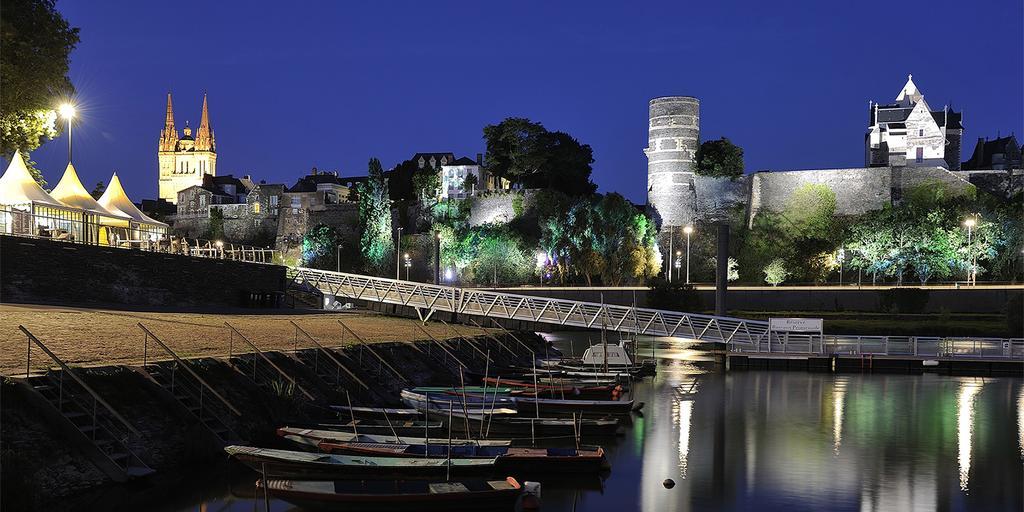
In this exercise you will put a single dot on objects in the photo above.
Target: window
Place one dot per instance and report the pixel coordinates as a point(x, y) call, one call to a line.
point(920, 155)
point(273, 201)
point(256, 208)
point(920, 132)
point(202, 200)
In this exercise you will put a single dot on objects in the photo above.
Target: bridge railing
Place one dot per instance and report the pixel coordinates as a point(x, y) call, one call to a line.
point(917, 346)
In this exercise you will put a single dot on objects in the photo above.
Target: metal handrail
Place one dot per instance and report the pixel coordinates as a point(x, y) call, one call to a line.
point(67, 369)
point(366, 345)
point(259, 353)
point(329, 354)
point(149, 334)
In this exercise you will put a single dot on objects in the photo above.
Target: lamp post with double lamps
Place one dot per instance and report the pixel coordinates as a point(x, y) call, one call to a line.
point(408, 265)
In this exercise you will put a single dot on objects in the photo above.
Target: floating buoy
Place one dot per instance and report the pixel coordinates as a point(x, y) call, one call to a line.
point(668, 483)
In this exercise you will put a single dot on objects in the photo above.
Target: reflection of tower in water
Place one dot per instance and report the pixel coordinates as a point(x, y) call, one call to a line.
point(965, 427)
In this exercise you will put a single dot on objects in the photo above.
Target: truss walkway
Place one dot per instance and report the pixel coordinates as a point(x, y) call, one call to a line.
point(428, 298)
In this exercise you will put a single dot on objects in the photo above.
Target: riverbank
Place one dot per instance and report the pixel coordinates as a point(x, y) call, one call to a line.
point(89, 336)
point(49, 464)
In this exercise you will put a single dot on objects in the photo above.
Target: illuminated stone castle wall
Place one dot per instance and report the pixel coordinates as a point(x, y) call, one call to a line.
point(673, 139)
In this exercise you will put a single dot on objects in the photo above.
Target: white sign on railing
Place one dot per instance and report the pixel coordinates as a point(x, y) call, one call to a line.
point(795, 324)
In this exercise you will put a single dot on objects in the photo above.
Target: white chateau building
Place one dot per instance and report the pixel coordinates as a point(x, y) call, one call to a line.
point(909, 133)
point(184, 160)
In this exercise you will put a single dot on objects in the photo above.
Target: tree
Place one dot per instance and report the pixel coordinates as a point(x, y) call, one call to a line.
point(469, 183)
point(375, 243)
point(720, 158)
point(732, 271)
point(775, 273)
point(35, 48)
point(526, 153)
point(811, 210)
point(215, 229)
point(319, 247)
point(98, 190)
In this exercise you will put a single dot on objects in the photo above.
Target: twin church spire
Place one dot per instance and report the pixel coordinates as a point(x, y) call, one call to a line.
point(204, 140)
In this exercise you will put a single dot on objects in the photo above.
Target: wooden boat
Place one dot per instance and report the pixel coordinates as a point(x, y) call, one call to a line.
point(376, 413)
point(536, 460)
point(474, 404)
point(524, 427)
point(554, 406)
point(398, 495)
point(317, 466)
point(566, 389)
point(468, 389)
point(383, 427)
point(310, 439)
point(545, 407)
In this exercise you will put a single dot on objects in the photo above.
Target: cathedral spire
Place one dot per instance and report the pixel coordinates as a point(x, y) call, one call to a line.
point(168, 135)
point(204, 137)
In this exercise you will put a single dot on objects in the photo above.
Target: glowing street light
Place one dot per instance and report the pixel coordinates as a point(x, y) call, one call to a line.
point(397, 252)
point(67, 111)
point(689, 231)
point(408, 265)
point(972, 273)
point(678, 262)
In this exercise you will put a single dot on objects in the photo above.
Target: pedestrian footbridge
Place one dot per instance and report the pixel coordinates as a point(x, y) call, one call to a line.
point(429, 298)
point(740, 334)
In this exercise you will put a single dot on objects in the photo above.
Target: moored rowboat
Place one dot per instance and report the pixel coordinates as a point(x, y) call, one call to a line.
point(396, 495)
point(317, 466)
point(310, 439)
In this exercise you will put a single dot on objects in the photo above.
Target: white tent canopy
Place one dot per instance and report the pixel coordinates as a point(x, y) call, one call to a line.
point(115, 200)
point(71, 192)
point(17, 187)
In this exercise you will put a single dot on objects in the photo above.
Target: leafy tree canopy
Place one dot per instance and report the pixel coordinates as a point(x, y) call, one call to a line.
point(35, 48)
point(528, 154)
point(720, 158)
point(376, 243)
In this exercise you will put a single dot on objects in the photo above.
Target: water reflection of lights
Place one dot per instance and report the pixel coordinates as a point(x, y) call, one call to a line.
point(685, 410)
point(965, 426)
point(838, 397)
point(1020, 421)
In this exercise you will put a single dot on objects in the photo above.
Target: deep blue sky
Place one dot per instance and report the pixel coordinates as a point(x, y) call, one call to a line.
point(329, 84)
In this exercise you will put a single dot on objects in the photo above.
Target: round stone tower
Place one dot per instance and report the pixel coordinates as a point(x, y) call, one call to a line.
point(673, 138)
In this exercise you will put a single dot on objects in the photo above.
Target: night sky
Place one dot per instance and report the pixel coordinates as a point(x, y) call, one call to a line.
point(294, 85)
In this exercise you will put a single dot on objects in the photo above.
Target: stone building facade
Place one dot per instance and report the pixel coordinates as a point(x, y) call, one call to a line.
point(673, 139)
point(250, 211)
point(184, 160)
point(908, 133)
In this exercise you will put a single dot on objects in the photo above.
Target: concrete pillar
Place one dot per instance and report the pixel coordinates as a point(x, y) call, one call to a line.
point(722, 270)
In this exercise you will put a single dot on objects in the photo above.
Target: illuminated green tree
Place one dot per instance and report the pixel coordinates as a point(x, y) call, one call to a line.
point(776, 273)
point(35, 49)
point(320, 246)
point(375, 242)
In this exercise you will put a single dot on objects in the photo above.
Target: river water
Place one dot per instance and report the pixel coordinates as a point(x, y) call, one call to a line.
point(782, 440)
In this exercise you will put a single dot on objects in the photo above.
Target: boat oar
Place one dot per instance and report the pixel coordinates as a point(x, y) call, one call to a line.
point(351, 413)
point(490, 417)
point(465, 411)
point(487, 369)
point(387, 419)
point(449, 465)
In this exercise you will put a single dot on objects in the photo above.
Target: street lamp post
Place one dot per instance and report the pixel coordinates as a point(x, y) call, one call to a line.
point(688, 230)
point(841, 256)
point(971, 272)
point(337, 251)
point(67, 111)
point(677, 262)
point(668, 266)
point(398, 253)
point(408, 265)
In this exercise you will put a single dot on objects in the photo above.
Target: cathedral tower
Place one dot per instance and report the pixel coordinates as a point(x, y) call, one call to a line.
point(673, 139)
point(184, 160)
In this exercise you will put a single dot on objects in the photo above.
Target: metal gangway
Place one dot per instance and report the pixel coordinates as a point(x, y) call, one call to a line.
point(429, 298)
